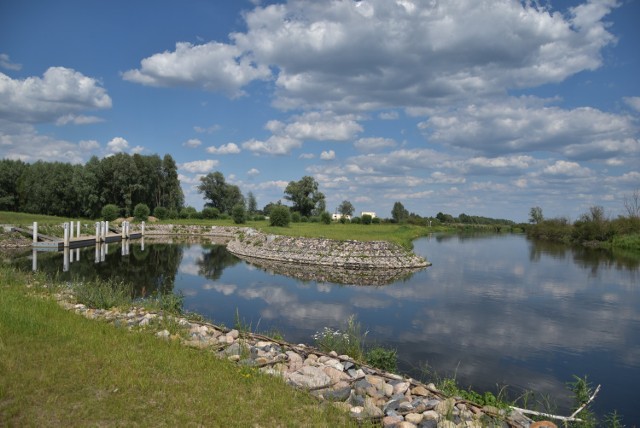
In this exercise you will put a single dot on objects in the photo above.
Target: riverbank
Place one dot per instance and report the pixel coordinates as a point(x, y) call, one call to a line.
point(54, 354)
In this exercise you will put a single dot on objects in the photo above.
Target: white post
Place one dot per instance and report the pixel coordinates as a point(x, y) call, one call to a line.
point(65, 262)
point(97, 233)
point(71, 230)
point(77, 254)
point(35, 232)
point(34, 262)
point(102, 231)
point(142, 243)
point(106, 230)
point(123, 234)
point(66, 236)
point(78, 234)
point(122, 250)
point(142, 229)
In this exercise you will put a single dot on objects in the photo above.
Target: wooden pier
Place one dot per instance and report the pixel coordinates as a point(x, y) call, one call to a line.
point(104, 234)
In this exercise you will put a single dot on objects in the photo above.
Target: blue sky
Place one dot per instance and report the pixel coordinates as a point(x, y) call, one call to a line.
point(463, 106)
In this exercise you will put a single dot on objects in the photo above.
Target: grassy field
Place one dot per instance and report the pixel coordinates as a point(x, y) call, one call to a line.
point(60, 369)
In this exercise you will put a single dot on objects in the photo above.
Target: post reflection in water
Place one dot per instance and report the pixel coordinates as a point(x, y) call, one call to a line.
point(493, 309)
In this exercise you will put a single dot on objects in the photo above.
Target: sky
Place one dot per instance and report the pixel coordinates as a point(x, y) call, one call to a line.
point(463, 106)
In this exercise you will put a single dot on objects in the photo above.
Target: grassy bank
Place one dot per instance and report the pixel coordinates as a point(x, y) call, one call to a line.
point(60, 369)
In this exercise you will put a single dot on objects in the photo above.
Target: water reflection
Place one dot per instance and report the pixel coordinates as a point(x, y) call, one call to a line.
point(492, 308)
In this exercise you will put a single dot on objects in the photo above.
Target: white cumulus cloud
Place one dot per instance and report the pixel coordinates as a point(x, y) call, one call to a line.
point(200, 166)
point(225, 149)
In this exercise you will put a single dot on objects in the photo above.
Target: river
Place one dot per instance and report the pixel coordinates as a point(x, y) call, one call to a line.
point(492, 311)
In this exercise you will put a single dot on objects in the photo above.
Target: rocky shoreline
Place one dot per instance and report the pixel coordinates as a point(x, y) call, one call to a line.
point(365, 392)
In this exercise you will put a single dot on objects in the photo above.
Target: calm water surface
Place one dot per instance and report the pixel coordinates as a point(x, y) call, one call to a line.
point(492, 310)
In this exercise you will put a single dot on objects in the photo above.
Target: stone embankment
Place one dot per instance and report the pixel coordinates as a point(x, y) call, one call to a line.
point(324, 252)
point(364, 392)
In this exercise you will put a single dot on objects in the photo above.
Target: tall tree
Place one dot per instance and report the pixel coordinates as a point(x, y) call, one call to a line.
point(10, 173)
point(399, 213)
point(221, 195)
point(304, 195)
point(346, 208)
point(252, 204)
point(535, 215)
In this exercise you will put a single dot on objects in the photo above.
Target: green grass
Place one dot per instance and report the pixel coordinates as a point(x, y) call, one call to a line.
point(60, 369)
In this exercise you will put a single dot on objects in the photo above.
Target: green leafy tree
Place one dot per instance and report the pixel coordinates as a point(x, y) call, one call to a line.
point(161, 213)
point(346, 208)
point(141, 212)
point(239, 214)
point(366, 219)
point(399, 213)
point(252, 204)
point(280, 216)
point(535, 215)
point(219, 193)
point(325, 218)
point(110, 212)
point(305, 196)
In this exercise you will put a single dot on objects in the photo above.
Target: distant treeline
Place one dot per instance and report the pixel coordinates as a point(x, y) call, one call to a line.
point(472, 219)
point(592, 228)
point(75, 190)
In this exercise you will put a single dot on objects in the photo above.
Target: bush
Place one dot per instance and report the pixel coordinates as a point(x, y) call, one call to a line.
point(279, 216)
point(366, 219)
point(196, 215)
point(259, 217)
point(161, 213)
point(110, 212)
point(296, 217)
point(173, 214)
point(325, 217)
point(356, 220)
point(141, 212)
point(210, 213)
point(376, 220)
point(383, 358)
point(187, 212)
point(239, 214)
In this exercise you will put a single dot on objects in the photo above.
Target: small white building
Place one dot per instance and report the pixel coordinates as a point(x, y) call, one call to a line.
point(338, 216)
point(371, 213)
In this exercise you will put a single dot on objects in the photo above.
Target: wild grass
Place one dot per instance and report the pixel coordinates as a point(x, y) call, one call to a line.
point(60, 369)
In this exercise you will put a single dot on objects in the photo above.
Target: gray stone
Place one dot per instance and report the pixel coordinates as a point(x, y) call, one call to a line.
point(341, 394)
point(309, 377)
point(391, 421)
point(361, 386)
point(430, 423)
point(371, 409)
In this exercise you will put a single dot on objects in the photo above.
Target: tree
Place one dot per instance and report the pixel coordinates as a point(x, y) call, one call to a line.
point(304, 195)
point(110, 212)
point(221, 195)
point(239, 214)
point(399, 213)
point(325, 217)
point(141, 212)
point(252, 204)
point(535, 215)
point(279, 215)
point(346, 208)
point(632, 204)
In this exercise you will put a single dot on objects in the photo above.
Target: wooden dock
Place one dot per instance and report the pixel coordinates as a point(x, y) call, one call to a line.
point(104, 234)
point(83, 241)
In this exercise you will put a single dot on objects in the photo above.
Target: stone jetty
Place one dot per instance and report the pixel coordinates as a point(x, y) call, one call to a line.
point(365, 392)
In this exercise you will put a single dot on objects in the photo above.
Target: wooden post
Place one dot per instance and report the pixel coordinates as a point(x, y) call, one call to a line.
point(35, 232)
point(97, 232)
point(66, 236)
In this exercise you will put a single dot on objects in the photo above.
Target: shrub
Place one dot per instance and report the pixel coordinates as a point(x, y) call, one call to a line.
point(356, 220)
point(196, 215)
point(304, 219)
point(161, 213)
point(110, 212)
point(366, 219)
point(173, 213)
point(383, 358)
point(325, 217)
point(259, 217)
point(210, 213)
point(376, 220)
point(296, 217)
point(239, 214)
point(343, 220)
point(141, 212)
point(187, 212)
point(280, 216)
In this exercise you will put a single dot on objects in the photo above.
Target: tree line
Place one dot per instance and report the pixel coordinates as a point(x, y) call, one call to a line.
point(76, 190)
point(593, 228)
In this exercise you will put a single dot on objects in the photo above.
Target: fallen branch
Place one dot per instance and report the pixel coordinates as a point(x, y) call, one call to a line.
point(581, 408)
point(547, 415)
